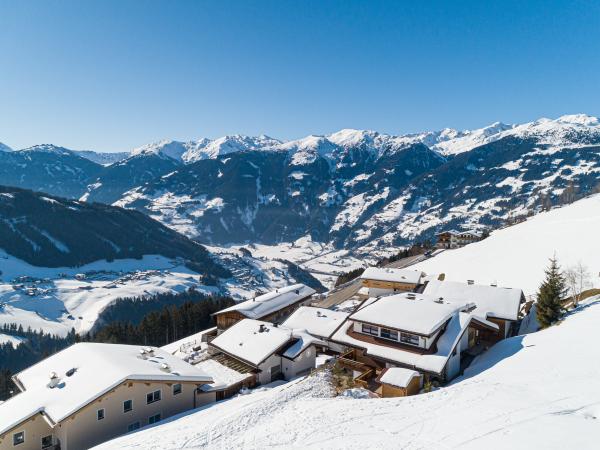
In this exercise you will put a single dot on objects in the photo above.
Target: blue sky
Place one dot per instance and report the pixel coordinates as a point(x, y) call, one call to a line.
point(112, 75)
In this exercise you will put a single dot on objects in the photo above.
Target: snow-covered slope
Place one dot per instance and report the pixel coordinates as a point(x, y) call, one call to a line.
point(541, 390)
point(517, 255)
point(4, 148)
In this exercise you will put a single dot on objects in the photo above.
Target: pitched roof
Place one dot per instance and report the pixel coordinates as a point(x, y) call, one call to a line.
point(417, 313)
point(319, 322)
point(246, 341)
point(428, 362)
point(409, 276)
point(94, 369)
point(270, 302)
point(491, 301)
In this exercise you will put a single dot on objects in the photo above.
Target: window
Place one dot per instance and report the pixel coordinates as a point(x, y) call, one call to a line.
point(100, 414)
point(134, 426)
point(47, 441)
point(368, 329)
point(153, 397)
point(408, 338)
point(153, 419)
point(389, 334)
point(176, 389)
point(127, 405)
point(19, 438)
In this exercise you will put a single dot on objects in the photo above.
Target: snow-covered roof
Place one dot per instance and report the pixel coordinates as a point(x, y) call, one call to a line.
point(491, 301)
point(271, 302)
point(188, 341)
point(94, 370)
point(301, 341)
point(428, 362)
point(319, 322)
point(398, 376)
point(461, 232)
point(222, 375)
point(417, 313)
point(246, 341)
point(409, 276)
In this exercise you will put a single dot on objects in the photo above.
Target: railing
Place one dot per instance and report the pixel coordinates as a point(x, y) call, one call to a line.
point(363, 378)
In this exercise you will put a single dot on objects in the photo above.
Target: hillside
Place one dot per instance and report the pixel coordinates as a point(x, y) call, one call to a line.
point(363, 191)
point(515, 394)
point(52, 232)
point(517, 255)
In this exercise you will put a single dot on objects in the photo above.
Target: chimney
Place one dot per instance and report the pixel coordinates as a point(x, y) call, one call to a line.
point(470, 282)
point(54, 380)
point(411, 296)
point(261, 328)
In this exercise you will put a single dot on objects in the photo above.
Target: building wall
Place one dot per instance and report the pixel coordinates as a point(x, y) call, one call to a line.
point(34, 428)
point(303, 363)
point(387, 390)
point(377, 287)
point(83, 430)
point(264, 376)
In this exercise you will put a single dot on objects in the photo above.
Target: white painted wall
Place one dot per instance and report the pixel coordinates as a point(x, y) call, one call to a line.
point(303, 363)
point(264, 376)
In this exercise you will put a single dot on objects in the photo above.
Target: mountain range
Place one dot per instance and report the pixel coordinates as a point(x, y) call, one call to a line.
point(356, 189)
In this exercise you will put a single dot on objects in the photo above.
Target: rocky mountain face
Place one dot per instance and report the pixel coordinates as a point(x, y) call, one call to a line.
point(358, 189)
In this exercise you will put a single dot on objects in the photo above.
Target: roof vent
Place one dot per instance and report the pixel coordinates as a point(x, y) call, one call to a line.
point(439, 300)
point(470, 282)
point(54, 380)
point(411, 296)
point(297, 291)
point(165, 367)
point(494, 284)
point(261, 328)
point(318, 313)
point(149, 351)
point(71, 372)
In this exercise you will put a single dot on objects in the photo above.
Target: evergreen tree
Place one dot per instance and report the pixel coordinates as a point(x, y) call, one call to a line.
point(550, 294)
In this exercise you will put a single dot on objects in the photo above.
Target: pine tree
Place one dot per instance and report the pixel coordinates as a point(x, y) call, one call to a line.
point(550, 294)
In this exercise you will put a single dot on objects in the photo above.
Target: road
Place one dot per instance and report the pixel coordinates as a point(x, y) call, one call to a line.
point(344, 292)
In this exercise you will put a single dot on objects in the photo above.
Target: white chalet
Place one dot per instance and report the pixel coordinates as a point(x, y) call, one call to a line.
point(410, 330)
point(269, 351)
point(90, 393)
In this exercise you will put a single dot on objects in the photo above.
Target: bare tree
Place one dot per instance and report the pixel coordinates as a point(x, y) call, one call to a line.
point(578, 280)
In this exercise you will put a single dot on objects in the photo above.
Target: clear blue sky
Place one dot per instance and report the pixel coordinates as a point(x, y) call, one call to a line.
point(111, 75)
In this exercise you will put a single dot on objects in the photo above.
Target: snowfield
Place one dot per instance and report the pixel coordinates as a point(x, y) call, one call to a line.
point(516, 256)
point(55, 300)
point(541, 390)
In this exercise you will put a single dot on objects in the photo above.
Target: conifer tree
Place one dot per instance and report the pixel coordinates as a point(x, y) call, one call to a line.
point(550, 294)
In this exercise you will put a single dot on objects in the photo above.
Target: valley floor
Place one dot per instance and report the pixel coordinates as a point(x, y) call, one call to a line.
point(541, 390)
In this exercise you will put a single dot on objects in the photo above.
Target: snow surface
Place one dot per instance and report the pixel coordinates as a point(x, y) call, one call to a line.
point(409, 276)
point(517, 255)
point(541, 390)
point(319, 322)
point(10, 339)
point(61, 301)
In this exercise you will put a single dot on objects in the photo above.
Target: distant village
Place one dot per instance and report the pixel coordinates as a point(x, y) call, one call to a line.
point(393, 332)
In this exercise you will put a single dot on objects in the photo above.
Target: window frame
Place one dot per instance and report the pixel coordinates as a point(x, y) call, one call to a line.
point(154, 396)
point(159, 415)
point(134, 426)
point(98, 418)
point(125, 410)
point(374, 330)
point(51, 441)
point(408, 338)
point(177, 391)
point(15, 435)
point(389, 333)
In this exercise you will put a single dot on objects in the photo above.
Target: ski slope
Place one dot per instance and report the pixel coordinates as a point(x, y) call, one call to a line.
point(516, 256)
point(541, 390)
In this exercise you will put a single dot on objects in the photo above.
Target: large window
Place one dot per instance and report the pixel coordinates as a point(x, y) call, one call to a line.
point(152, 397)
point(19, 438)
point(389, 334)
point(134, 426)
point(369, 329)
point(176, 389)
point(100, 414)
point(408, 338)
point(153, 419)
point(127, 405)
point(47, 441)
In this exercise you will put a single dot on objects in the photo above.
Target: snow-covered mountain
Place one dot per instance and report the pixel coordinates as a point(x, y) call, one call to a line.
point(357, 189)
point(5, 148)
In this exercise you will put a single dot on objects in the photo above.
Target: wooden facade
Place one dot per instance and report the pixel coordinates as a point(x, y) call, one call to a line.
point(226, 319)
point(388, 390)
point(389, 285)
